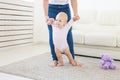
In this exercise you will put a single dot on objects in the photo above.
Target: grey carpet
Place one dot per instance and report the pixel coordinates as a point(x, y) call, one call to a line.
point(37, 68)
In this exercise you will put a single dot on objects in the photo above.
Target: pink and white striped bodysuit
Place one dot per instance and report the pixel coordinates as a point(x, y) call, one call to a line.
point(60, 36)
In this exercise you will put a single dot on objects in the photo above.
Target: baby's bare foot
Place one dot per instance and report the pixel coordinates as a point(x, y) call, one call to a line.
point(59, 64)
point(54, 64)
point(77, 63)
point(73, 63)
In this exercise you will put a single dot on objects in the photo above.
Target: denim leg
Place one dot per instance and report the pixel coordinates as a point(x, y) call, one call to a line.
point(52, 12)
point(54, 57)
point(70, 42)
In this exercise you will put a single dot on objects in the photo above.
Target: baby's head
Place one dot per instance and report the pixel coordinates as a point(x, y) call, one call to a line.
point(61, 19)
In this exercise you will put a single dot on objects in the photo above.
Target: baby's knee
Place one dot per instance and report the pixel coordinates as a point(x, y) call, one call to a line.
point(59, 56)
point(66, 51)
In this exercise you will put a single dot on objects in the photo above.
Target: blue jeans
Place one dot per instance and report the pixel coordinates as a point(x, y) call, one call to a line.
point(53, 10)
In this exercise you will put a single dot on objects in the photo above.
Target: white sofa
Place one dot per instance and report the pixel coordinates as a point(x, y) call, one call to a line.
point(98, 29)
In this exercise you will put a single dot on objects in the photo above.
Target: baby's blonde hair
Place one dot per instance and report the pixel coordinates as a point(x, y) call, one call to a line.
point(63, 15)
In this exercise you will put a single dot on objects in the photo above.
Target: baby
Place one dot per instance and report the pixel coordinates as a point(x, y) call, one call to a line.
point(60, 30)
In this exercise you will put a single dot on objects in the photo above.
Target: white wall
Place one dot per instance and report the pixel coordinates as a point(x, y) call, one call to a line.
point(40, 27)
point(99, 4)
point(29, 0)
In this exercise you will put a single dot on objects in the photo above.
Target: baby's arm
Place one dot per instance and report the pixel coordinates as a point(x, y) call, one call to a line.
point(70, 23)
point(75, 18)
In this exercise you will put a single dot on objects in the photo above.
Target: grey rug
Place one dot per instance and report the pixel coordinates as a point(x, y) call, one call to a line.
point(37, 68)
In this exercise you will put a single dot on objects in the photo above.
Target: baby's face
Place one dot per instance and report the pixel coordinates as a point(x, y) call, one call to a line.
point(61, 21)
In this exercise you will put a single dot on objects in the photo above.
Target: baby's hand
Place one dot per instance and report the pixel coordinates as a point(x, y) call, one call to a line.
point(75, 18)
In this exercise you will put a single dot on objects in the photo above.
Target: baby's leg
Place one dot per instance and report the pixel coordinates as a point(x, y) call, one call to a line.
point(67, 52)
point(59, 56)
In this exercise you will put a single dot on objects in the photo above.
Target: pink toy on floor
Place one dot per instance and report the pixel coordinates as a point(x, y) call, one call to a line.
point(106, 62)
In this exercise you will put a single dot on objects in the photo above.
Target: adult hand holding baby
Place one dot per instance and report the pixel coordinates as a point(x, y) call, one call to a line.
point(76, 17)
point(49, 21)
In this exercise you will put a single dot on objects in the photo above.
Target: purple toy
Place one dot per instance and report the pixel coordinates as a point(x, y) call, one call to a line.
point(107, 62)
